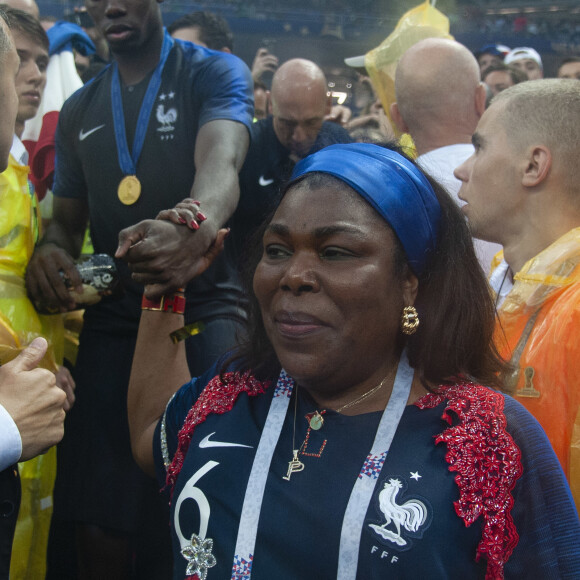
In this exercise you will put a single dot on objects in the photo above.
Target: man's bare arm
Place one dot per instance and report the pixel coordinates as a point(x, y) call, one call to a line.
point(55, 253)
point(165, 256)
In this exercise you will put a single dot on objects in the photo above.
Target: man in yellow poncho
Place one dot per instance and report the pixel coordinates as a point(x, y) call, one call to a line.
point(522, 188)
point(19, 322)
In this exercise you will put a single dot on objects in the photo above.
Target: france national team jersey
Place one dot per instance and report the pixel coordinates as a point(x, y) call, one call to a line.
point(412, 528)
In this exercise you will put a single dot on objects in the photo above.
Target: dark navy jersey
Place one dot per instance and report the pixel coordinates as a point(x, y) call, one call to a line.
point(198, 85)
point(268, 166)
point(300, 521)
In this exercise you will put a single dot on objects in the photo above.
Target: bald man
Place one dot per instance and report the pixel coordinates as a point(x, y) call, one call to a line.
point(300, 101)
point(440, 99)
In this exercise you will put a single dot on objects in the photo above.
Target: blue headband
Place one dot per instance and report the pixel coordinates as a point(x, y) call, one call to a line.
point(392, 185)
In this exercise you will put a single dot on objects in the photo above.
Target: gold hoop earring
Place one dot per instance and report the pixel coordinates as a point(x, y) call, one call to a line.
point(409, 320)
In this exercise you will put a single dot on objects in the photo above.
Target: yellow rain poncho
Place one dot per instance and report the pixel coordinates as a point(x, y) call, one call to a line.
point(19, 324)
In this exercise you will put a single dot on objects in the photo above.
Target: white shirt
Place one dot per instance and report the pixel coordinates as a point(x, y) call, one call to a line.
point(501, 282)
point(10, 440)
point(440, 164)
point(18, 151)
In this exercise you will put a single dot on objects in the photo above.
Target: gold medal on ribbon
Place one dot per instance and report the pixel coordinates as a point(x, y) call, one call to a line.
point(129, 190)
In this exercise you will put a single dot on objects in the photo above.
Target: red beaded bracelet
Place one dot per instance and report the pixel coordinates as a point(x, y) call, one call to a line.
point(174, 302)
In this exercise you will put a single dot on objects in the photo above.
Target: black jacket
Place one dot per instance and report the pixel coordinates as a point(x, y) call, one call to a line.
point(9, 504)
point(266, 168)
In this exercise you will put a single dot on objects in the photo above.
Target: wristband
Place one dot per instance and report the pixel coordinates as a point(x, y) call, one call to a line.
point(174, 302)
point(187, 331)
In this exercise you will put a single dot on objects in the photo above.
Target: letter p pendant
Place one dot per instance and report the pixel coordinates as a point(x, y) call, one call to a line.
point(294, 466)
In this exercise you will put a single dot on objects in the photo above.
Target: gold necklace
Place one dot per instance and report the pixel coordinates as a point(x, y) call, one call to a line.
point(316, 421)
point(294, 464)
point(368, 393)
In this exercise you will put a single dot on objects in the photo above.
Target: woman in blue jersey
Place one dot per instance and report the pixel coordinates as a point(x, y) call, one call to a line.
point(350, 435)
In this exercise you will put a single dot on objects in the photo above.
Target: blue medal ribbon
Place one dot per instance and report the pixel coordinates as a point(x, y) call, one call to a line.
point(128, 161)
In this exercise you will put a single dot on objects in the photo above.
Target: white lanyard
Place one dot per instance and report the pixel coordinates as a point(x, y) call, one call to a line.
point(361, 493)
point(363, 489)
point(248, 528)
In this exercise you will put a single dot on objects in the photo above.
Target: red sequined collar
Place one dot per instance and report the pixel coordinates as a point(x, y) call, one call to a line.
point(218, 397)
point(487, 462)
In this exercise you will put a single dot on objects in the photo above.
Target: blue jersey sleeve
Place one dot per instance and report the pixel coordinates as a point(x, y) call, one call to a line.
point(544, 512)
point(175, 415)
point(226, 91)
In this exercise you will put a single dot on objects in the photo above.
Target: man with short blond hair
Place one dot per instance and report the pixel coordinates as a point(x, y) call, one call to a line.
point(522, 190)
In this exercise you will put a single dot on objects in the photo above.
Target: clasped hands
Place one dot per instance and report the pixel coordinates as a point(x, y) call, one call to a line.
point(166, 253)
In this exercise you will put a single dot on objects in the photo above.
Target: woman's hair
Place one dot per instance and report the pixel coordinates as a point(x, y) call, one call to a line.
point(456, 308)
point(454, 302)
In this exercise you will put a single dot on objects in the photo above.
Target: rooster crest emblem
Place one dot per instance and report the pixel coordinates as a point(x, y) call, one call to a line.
point(410, 515)
point(166, 118)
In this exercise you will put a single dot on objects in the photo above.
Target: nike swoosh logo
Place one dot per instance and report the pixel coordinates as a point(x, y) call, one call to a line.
point(205, 443)
point(263, 182)
point(83, 135)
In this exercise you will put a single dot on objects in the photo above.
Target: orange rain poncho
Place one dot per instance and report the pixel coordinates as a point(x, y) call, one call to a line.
point(538, 331)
